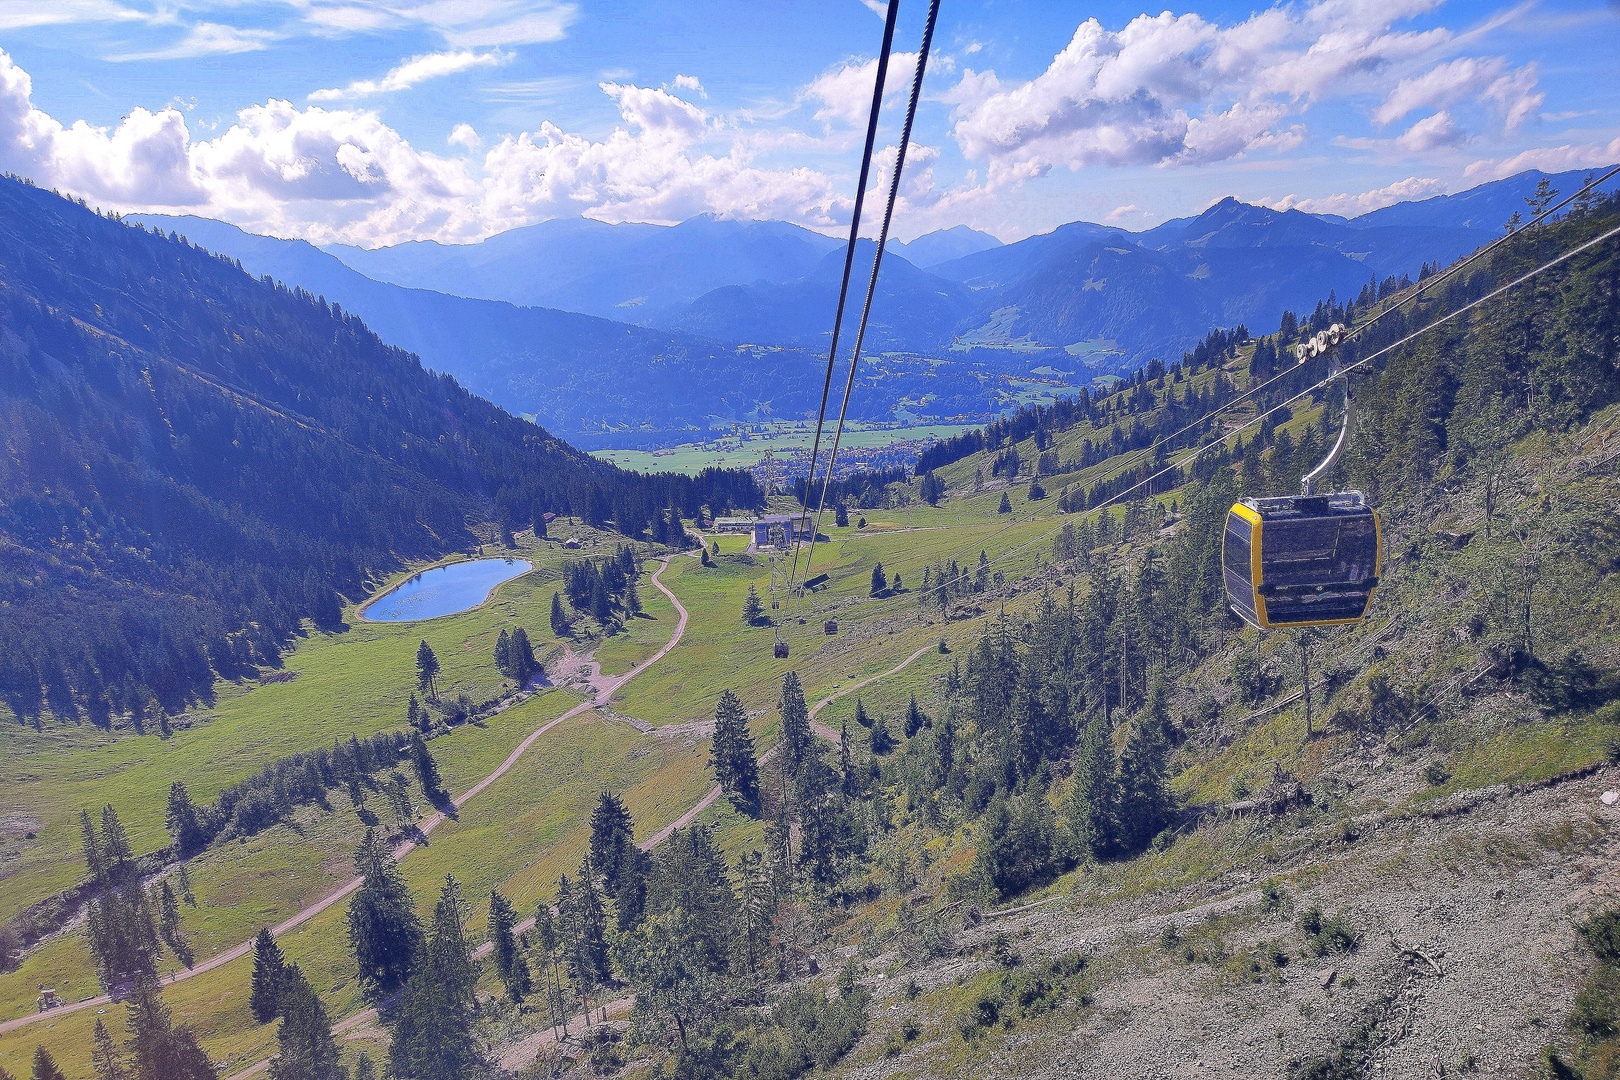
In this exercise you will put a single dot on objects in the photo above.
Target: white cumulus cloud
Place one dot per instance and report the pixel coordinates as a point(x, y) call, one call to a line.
point(1348, 205)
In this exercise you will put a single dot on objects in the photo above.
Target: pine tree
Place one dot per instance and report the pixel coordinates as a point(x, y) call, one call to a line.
point(559, 621)
point(882, 741)
point(268, 965)
point(104, 1056)
point(304, 1043)
point(92, 849)
point(115, 850)
point(632, 599)
point(1144, 801)
point(364, 1067)
point(427, 770)
point(158, 1049)
point(880, 583)
point(1005, 506)
point(601, 604)
point(182, 821)
point(861, 717)
point(549, 941)
point(415, 716)
point(510, 963)
point(433, 1038)
point(427, 670)
point(612, 838)
point(182, 877)
point(736, 769)
point(169, 926)
point(524, 664)
point(384, 933)
point(1092, 796)
point(45, 1066)
point(916, 719)
point(846, 765)
point(798, 744)
point(503, 653)
point(753, 608)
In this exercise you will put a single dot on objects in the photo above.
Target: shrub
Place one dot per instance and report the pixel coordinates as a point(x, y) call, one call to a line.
point(1602, 935)
point(1596, 1013)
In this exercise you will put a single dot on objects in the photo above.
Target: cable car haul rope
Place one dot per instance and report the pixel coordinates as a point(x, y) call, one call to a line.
point(1287, 560)
point(781, 645)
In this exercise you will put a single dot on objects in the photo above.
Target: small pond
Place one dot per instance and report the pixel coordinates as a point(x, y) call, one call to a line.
point(444, 590)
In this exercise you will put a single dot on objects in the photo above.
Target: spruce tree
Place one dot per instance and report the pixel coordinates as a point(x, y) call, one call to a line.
point(1093, 797)
point(268, 965)
point(882, 741)
point(364, 1067)
point(433, 1037)
point(797, 741)
point(736, 769)
point(92, 849)
point(104, 1056)
point(523, 661)
point(384, 933)
point(427, 770)
point(503, 653)
point(115, 850)
point(184, 826)
point(753, 608)
point(612, 838)
point(182, 878)
point(45, 1066)
point(169, 925)
point(1005, 506)
point(304, 1043)
point(510, 963)
point(861, 716)
point(916, 719)
point(880, 584)
point(846, 766)
point(1144, 800)
point(427, 670)
point(559, 620)
point(158, 1049)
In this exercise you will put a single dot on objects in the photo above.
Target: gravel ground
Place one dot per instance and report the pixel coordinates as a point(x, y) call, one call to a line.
point(1484, 898)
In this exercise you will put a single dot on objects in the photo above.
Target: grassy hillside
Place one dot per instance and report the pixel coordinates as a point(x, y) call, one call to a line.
point(1443, 797)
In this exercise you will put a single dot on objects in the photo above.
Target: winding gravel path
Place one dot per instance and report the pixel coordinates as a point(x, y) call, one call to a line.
point(603, 687)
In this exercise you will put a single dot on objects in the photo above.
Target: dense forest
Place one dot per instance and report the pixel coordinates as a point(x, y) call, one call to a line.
point(195, 461)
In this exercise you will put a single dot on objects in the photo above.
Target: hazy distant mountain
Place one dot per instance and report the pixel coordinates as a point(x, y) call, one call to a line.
point(590, 379)
point(1486, 207)
point(1156, 292)
point(628, 272)
point(944, 244)
point(913, 310)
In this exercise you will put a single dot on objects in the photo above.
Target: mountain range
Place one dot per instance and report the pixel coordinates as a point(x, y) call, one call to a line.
point(635, 334)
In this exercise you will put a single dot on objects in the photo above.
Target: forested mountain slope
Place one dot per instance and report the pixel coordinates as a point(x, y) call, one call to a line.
point(195, 460)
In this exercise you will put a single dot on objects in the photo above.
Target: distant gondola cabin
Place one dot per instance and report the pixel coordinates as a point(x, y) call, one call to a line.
point(1307, 560)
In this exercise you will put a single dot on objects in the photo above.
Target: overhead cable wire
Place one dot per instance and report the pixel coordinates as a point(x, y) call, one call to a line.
point(849, 265)
point(1341, 373)
point(871, 286)
point(1134, 457)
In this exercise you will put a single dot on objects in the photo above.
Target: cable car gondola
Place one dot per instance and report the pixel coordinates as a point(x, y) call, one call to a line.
point(1306, 559)
point(781, 650)
point(830, 626)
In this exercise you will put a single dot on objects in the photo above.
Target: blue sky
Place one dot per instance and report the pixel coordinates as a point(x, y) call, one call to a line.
point(370, 123)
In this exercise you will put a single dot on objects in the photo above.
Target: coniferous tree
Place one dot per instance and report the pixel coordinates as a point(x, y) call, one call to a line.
point(115, 850)
point(182, 878)
point(268, 964)
point(433, 1038)
point(846, 764)
point(550, 943)
point(92, 849)
point(416, 716)
point(503, 653)
point(601, 603)
point(159, 1050)
point(753, 608)
point(1005, 507)
point(45, 1066)
point(861, 717)
point(1092, 796)
point(104, 1055)
point(427, 670)
point(384, 933)
point(169, 925)
point(880, 583)
point(798, 744)
point(882, 741)
point(1144, 801)
point(916, 719)
point(612, 838)
point(559, 620)
point(736, 769)
point(364, 1067)
point(510, 962)
point(427, 770)
point(181, 819)
point(305, 1049)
